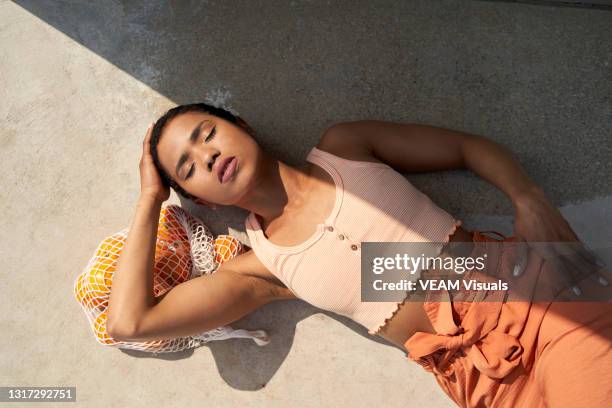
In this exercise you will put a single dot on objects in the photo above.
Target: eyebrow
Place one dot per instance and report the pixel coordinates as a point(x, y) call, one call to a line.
point(194, 135)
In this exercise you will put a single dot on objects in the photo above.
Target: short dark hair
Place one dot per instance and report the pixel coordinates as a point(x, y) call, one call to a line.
point(161, 123)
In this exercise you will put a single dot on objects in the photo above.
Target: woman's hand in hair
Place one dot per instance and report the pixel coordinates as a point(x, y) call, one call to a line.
point(150, 181)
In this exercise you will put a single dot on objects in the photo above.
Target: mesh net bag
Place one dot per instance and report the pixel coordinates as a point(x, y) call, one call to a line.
point(185, 249)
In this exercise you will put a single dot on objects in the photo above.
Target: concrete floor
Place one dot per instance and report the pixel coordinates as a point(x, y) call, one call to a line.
point(80, 81)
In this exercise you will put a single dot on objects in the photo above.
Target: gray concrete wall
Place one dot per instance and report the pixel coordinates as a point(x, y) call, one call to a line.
point(80, 81)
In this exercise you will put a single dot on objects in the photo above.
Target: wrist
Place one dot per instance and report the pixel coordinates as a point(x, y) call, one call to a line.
point(149, 199)
point(527, 195)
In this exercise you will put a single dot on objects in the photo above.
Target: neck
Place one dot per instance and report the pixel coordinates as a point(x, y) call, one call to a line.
point(279, 189)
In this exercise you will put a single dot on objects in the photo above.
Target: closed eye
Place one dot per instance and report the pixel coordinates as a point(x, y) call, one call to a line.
point(191, 170)
point(210, 136)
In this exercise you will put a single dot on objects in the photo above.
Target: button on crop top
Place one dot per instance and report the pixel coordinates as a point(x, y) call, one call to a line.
point(374, 202)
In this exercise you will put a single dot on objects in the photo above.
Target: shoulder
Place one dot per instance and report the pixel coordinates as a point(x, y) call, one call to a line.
point(247, 265)
point(345, 141)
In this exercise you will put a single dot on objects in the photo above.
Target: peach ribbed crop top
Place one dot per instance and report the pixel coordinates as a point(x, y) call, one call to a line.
point(373, 203)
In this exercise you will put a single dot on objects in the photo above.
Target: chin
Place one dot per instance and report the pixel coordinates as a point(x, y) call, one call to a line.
point(240, 185)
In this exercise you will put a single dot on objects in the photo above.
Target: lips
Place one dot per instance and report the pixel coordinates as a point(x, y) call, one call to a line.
point(222, 167)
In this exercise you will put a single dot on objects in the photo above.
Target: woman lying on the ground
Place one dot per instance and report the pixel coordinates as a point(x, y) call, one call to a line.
point(306, 226)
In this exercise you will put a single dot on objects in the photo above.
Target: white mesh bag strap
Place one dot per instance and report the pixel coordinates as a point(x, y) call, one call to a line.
point(203, 255)
point(201, 243)
point(260, 337)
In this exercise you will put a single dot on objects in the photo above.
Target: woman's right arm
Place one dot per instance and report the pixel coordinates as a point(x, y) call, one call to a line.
point(198, 305)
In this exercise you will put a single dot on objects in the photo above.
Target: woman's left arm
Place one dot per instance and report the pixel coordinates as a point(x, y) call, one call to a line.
point(412, 147)
point(417, 148)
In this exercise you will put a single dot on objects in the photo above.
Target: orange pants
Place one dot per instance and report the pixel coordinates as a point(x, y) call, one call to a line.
point(518, 354)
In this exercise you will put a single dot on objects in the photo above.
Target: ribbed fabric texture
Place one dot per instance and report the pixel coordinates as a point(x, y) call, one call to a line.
point(373, 203)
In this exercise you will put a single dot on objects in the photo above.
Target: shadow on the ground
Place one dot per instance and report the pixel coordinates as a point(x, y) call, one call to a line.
point(248, 367)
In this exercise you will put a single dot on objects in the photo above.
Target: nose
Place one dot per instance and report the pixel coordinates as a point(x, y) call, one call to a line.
point(208, 155)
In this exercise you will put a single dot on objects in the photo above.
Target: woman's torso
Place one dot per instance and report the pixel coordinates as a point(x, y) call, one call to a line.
point(308, 225)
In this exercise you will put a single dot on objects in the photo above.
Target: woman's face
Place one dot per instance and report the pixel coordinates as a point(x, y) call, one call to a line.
point(193, 147)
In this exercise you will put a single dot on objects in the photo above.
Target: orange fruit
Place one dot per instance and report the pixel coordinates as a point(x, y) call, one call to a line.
point(88, 298)
point(226, 248)
point(100, 330)
point(173, 261)
point(110, 248)
point(100, 277)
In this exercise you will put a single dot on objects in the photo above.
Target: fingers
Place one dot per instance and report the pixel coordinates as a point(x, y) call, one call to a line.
point(565, 273)
point(149, 131)
point(581, 266)
point(522, 253)
point(590, 256)
point(599, 278)
point(146, 141)
point(586, 262)
point(546, 251)
point(573, 267)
